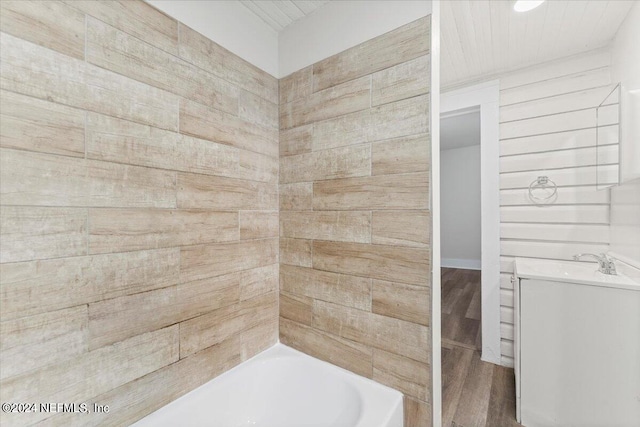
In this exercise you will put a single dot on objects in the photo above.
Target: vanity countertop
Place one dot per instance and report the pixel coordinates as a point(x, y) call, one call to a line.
point(572, 272)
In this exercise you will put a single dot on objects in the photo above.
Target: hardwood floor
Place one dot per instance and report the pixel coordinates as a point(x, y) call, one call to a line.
point(474, 393)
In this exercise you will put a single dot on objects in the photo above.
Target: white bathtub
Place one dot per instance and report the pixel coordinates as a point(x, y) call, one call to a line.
point(282, 387)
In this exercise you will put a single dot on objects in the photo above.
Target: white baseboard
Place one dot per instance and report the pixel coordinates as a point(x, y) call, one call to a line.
point(466, 264)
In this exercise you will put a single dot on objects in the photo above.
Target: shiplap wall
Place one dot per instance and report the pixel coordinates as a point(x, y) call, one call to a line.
point(139, 219)
point(547, 127)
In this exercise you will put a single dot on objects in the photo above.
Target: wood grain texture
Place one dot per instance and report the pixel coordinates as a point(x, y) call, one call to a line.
point(34, 287)
point(114, 50)
point(393, 335)
point(135, 18)
point(408, 265)
point(296, 252)
point(342, 226)
point(296, 307)
point(257, 110)
point(121, 141)
point(405, 302)
point(217, 126)
point(416, 413)
point(402, 81)
point(37, 179)
point(342, 99)
point(296, 140)
point(341, 162)
point(258, 224)
point(258, 281)
point(202, 261)
point(350, 291)
point(121, 230)
point(296, 85)
point(401, 155)
point(42, 340)
point(400, 45)
point(403, 228)
point(212, 192)
point(344, 130)
point(51, 24)
point(333, 349)
point(30, 233)
point(410, 191)
point(409, 376)
point(35, 71)
point(296, 197)
point(210, 56)
point(36, 125)
point(81, 378)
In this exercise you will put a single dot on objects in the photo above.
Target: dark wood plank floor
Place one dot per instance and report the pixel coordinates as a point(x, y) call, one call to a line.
point(474, 393)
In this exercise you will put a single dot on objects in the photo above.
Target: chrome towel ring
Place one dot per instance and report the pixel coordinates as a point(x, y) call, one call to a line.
point(545, 185)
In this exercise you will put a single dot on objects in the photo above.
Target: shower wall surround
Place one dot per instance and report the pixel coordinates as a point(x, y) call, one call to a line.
point(354, 212)
point(139, 190)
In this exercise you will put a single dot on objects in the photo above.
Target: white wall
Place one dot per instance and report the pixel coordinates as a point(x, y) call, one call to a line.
point(231, 25)
point(460, 207)
point(625, 199)
point(339, 25)
point(547, 119)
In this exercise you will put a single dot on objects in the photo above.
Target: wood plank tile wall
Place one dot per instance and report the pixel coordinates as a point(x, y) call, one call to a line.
point(355, 259)
point(547, 127)
point(139, 218)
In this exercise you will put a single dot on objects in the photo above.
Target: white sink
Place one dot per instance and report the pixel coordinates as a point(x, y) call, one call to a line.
point(572, 271)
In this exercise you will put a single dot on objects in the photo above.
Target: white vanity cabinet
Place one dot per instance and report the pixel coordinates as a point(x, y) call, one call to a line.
point(577, 345)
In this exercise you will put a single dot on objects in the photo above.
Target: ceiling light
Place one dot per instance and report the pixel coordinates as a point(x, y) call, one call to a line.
point(526, 5)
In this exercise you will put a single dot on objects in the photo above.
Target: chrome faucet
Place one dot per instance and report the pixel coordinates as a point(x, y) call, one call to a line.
point(606, 264)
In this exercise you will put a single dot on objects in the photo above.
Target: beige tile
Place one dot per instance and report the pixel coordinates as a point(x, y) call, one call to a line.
point(409, 191)
point(212, 192)
point(401, 155)
point(258, 224)
point(406, 265)
point(296, 85)
point(341, 289)
point(136, 399)
point(199, 262)
point(217, 126)
point(341, 162)
point(34, 287)
point(405, 302)
point(91, 374)
point(136, 18)
point(296, 307)
point(416, 413)
point(400, 45)
point(295, 252)
point(258, 338)
point(336, 101)
point(402, 118)
point(208, 55)
point(257, 110)
point(402, 81)
point(202, 296)
point(45, 74)
point(123, 141)
point(221, 324)
point(296, 197)
point(403, 228)
point(393, 335)
point(296, 140)
point(36, 125)
point(37, 179)
point(30, 233)
point(406, 375)
point(120, 230)
point(345, 226)
point(348, 129)
point(34, 342)
point(331, 348)
point(51, 24)
point(258, 281)
point(110, 48)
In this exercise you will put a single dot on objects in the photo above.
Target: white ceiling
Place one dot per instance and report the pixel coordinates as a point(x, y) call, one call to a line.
point(460, 129)
point(482, 38)
point(278, 14)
